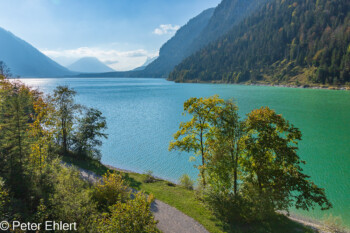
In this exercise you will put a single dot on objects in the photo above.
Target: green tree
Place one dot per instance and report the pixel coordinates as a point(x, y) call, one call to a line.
point(15, 115)
point(272, 166)
point(227, 134)
point(89, 131)
point(66, 108)
point(192, 135)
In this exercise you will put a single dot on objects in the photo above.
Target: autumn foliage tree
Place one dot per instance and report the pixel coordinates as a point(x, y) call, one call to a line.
point(192, 135)
point(251, 166)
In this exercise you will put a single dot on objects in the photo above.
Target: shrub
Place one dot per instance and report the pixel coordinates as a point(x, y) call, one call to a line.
point(149, 178)
point(133, 216)
point(69, 200)
point(171, 184)
point(186, 181)
point(111, 190)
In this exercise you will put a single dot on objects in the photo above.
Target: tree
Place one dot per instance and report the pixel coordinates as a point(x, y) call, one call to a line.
point(89, 131)
point(272, 166)
point(192, 136)
point(4, 70)
point(41, 131)
point(15, 115)
point(225, 146)
point(66, 108)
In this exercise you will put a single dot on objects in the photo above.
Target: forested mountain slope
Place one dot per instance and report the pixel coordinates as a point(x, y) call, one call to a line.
point(287, 41)
point(227, 14)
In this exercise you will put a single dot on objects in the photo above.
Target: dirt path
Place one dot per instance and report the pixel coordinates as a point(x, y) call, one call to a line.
point(170, 220)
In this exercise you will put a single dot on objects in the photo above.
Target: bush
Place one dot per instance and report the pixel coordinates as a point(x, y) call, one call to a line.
point(149, 178)
point(225, 207)
point(111, 190)
point(69, 199)
point(171, 184)
point(133, 216)
point(186, 181)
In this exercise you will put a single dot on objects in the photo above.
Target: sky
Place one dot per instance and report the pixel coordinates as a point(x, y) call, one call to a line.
point(121, 33)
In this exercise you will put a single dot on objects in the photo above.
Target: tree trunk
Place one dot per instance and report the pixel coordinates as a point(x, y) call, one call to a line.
point(203, 159)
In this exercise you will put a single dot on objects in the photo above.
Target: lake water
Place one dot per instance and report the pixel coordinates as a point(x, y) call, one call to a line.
point(143, 114)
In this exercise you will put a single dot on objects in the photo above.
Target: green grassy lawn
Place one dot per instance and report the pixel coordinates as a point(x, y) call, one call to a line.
point(186, 201)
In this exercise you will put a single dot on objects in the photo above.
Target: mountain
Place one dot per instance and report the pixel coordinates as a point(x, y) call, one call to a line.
point(25, 60)
point(197, 33)
point(226, 15)
point(148, 61)
point(89, 65)
point(171, 53)
point(287, 41)
point(176, 49)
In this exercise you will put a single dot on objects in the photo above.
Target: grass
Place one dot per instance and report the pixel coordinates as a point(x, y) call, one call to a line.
point(185, 200)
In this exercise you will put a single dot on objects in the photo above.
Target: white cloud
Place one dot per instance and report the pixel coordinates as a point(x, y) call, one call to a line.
point(164, 29)
point(118, 60)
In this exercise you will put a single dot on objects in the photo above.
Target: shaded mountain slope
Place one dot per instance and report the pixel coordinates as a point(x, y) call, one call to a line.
point(227, 14)
point(176, 49)
point(25, 60)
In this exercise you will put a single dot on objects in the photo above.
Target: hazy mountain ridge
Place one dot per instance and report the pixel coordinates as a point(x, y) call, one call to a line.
point(147, 62)
point(25, 60)
point(288, 41)
point(89, 65)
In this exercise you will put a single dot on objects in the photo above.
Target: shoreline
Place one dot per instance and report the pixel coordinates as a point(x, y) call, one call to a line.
point(302, 86)
point(314, 224)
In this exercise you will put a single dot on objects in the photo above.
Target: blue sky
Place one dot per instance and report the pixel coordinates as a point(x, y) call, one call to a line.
point(122, 33)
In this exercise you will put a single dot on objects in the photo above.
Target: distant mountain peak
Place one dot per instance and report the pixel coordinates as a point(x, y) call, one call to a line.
point(90, 65)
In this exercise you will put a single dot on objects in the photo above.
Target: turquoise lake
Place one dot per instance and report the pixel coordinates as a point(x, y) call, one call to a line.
point(143, 114)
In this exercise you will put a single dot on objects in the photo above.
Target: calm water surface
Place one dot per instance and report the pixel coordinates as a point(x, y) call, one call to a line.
point(143, 114)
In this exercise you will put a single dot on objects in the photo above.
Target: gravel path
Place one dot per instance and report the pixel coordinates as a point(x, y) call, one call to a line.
point(170, 220)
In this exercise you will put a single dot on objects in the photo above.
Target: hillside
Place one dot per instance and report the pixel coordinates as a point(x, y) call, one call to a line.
point(25, 60)
point(199, 32)
point(176, 49)
point(227, 14)
point(89, 65)
point(287, 41)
